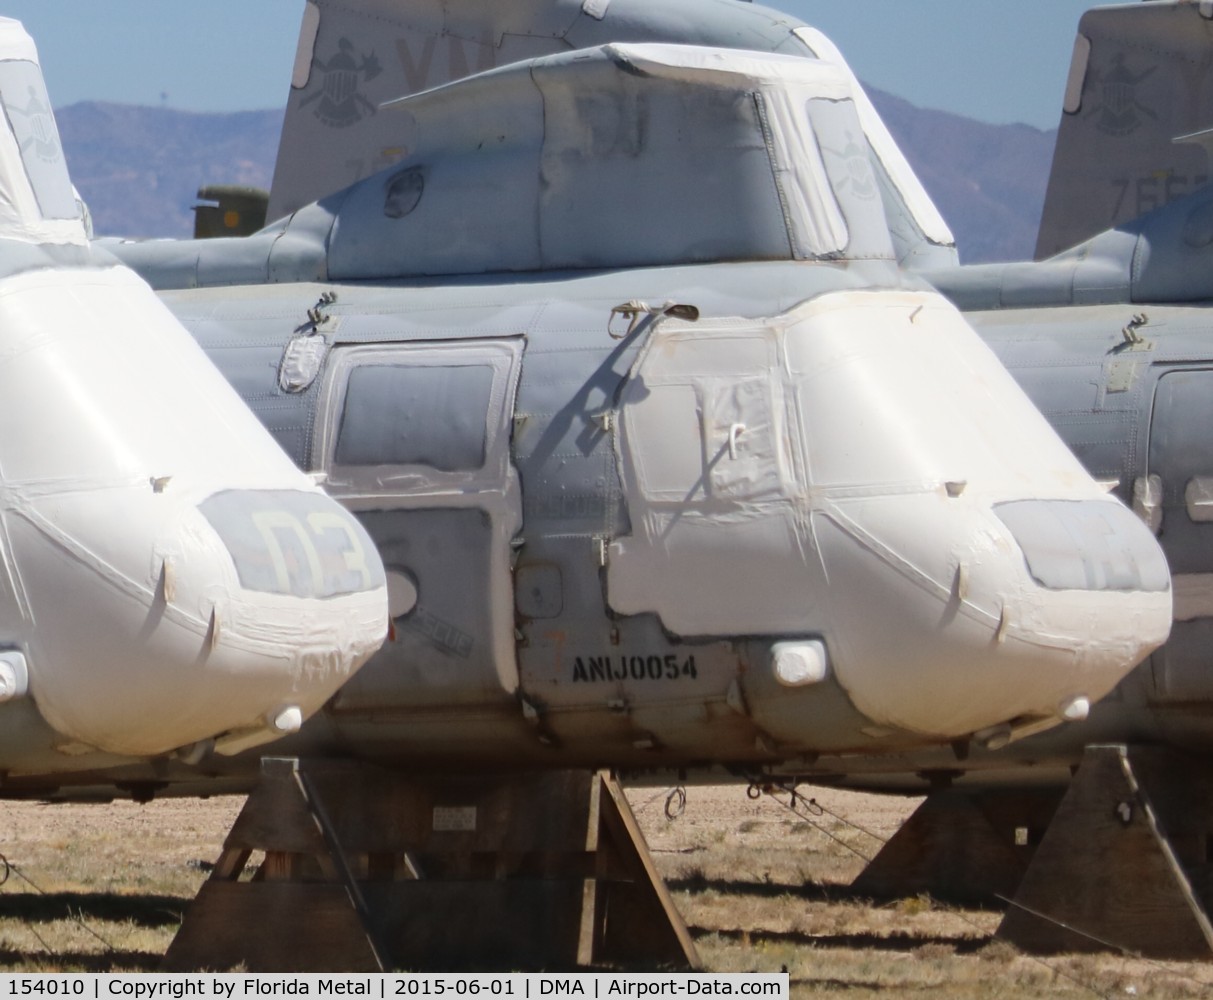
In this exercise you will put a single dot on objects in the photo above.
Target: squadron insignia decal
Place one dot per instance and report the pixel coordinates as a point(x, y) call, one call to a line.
point(339, 101)
point(1120, 112)
point(857, 169)
point(39, 131)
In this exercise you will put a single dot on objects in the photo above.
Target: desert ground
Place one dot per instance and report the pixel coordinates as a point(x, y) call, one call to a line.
point(102, 888)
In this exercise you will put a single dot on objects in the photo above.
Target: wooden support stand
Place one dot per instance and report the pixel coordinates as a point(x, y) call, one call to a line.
point(1125, 863)
point(368, 870)
point(960, 847)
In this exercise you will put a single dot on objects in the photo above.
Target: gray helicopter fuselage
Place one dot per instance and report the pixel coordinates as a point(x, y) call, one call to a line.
point(504, 649)
point(492, 673)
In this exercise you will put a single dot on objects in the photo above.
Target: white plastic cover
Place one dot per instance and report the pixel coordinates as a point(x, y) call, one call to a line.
point(816, 224)
point(1147, 500)
point(144, 629)
point(822, 452)
point(171, 577)
point(1193, 596)
point(1198, 497)
point(826, 77)
point(37, 203)
point(799, 663)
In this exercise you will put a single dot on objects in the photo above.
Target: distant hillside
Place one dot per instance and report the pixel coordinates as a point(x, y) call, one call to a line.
point(988, 180)
point(139, 168)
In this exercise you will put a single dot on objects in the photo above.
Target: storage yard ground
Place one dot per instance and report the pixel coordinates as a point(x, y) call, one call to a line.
point(102, 888)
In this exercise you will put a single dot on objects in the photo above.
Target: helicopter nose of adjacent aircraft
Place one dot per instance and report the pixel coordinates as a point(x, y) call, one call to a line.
point(992, 617)
point(170, 578)
point(161, 622)
point(982, 581)
point(860, 483)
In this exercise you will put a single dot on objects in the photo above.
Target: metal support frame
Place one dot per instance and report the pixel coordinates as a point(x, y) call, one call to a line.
point(1125, 864)
point(366, 870)
point(961, 847)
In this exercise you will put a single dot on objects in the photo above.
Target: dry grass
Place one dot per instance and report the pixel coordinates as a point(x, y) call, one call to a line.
point(762, 889)
point(102, 888)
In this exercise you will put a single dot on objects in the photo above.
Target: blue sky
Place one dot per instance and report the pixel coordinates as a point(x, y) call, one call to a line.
point(988, 59)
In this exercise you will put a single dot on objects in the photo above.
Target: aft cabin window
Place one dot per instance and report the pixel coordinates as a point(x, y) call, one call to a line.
point(845, 154)
point(433, 415)
point(402, 418)
point(829, 191)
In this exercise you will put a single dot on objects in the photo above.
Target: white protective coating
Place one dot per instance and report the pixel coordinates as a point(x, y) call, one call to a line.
point(29, 112)
point(1193, 596)
point(140, 635)
point(1074, 709)
point(816, 224)
point(799, 663)
point(1147, 501)
point(1198, 498)
point(837, 512)
point(146, 622)
point(14, 675)
point(921, 207)
point(301, 362)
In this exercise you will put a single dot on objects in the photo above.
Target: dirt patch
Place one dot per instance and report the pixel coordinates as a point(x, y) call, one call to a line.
point(102, 887)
